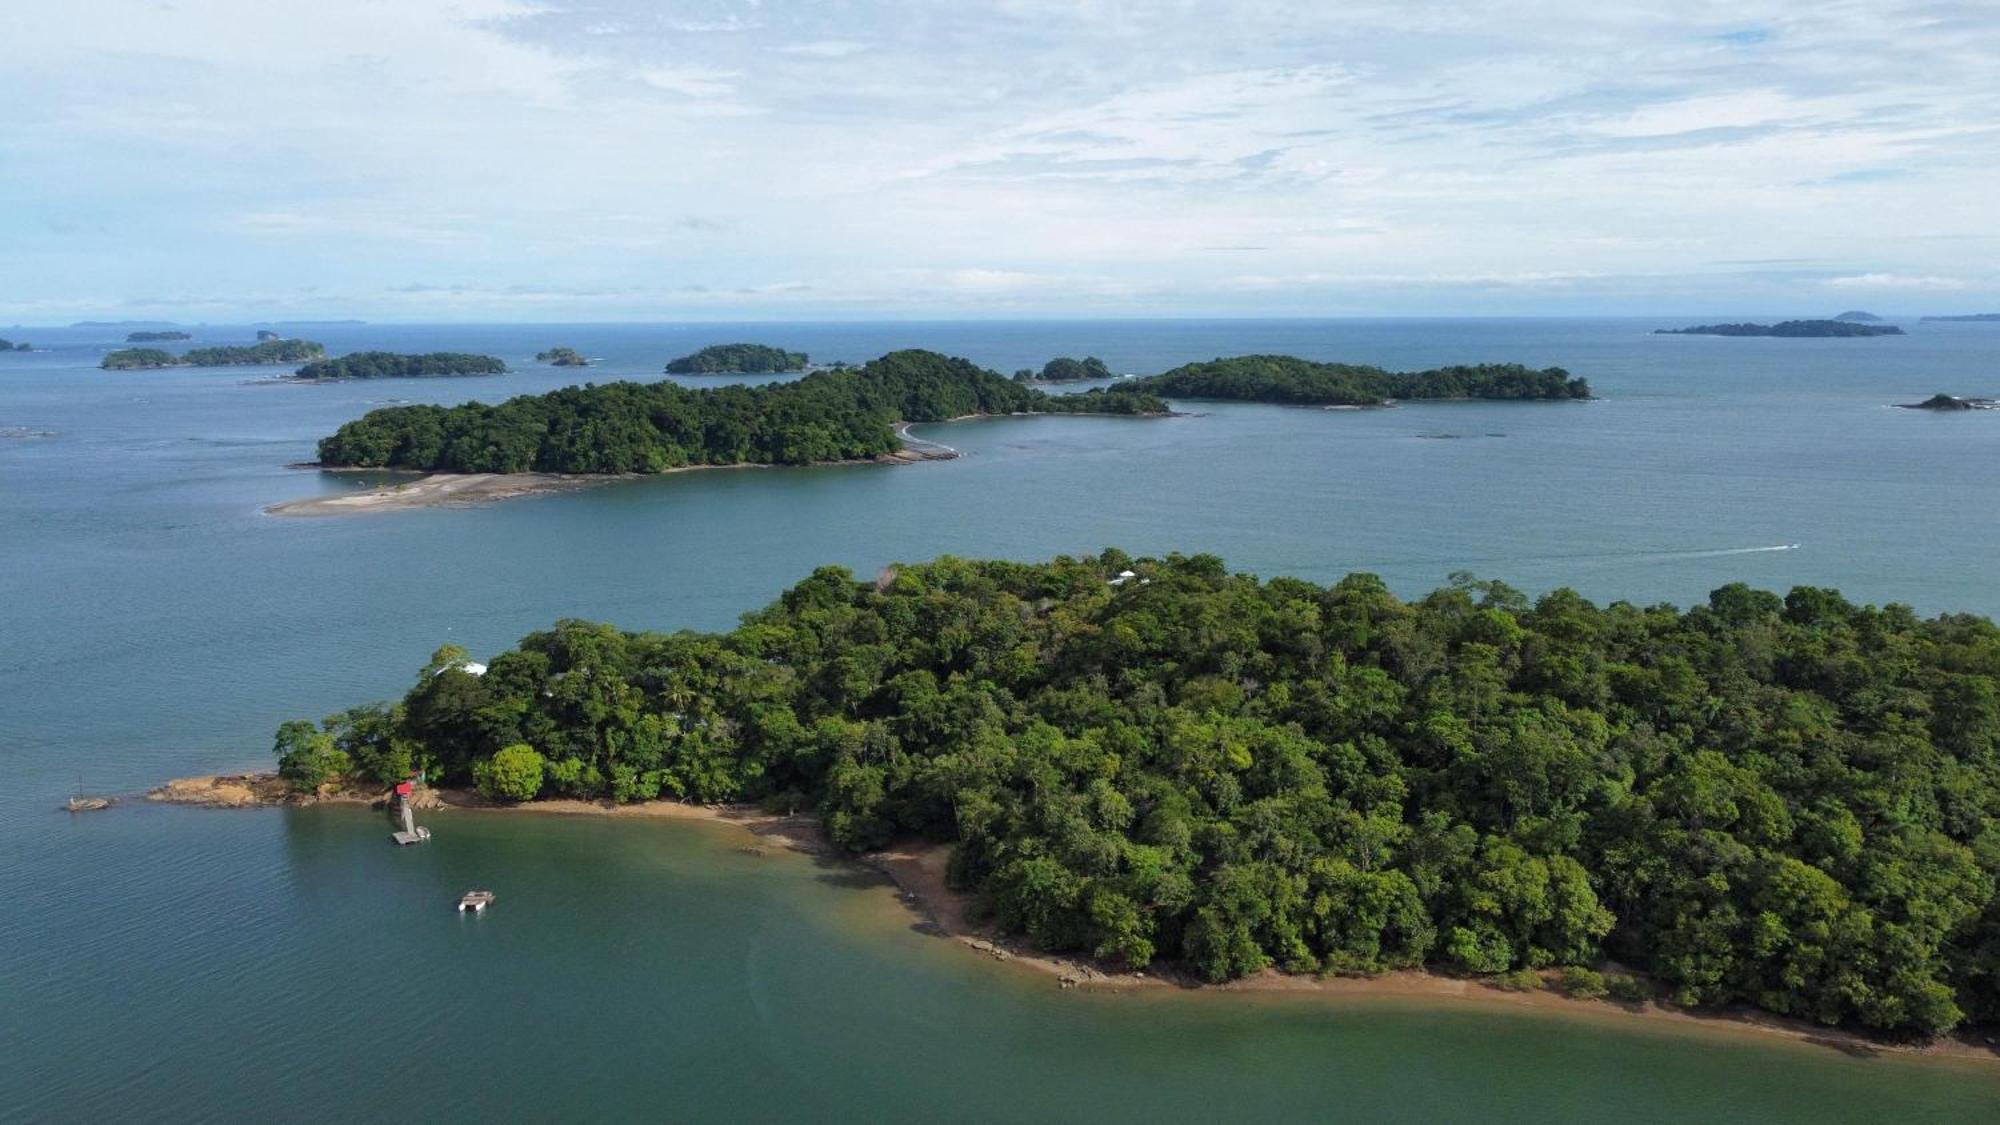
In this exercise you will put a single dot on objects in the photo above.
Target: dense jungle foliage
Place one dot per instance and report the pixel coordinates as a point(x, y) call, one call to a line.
point(649, 428)
point(1288, 379)
point(1792, 802)
point(396, 365)
point(719, 359)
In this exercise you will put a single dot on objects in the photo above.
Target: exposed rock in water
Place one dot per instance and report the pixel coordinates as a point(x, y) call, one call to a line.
point(1950, 402)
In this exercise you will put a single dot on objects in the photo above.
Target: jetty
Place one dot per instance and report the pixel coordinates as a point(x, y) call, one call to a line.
point(412, 832)
point(475, 902)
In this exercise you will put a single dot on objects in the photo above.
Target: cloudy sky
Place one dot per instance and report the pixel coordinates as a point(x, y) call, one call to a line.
point(737, 159)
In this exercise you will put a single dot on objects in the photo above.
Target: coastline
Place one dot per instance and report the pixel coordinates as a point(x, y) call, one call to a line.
point(917, 871)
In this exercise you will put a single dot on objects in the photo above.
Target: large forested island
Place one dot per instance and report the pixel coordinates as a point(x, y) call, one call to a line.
point(1790, 329)
point(262, 353)
point(727, 359)
point(1789, 802)
point(1288, 379)
point(649, 428)
point(396, 365)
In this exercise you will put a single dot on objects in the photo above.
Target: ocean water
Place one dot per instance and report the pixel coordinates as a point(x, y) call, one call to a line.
point(177, 964)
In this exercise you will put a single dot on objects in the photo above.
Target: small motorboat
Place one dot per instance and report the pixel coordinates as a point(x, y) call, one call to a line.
point(475, 902)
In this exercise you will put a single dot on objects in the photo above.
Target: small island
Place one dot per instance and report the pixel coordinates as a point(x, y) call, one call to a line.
point(1301, 382)
point(618, 428)
point(396, 365)
point(156, 337)
point(1787, 329)
point(254, 355)
point(1856, 316)
point(733, 359)
point(10, 346)
point(266, 334)
point(1949, 403)
point(1165, 767)
point(1967, 318)
point(1063, 369)
point(562, 357)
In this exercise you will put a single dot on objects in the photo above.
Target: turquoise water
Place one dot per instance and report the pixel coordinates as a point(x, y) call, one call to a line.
point(182, 963)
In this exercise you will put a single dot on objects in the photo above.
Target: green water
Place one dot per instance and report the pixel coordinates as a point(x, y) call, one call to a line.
point(178, 964)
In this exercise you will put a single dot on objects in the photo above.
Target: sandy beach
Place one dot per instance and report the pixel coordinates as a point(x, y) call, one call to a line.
point(918, 870)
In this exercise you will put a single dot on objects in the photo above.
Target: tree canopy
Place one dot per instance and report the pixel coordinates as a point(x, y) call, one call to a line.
point(396, 365)
point(263, 352)
point(129, 359)
point(649, 428)
point(718, 359)
point(1791, 802)
point(1288, 379)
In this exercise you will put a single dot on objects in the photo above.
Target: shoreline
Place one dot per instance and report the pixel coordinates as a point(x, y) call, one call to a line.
point(916, 869)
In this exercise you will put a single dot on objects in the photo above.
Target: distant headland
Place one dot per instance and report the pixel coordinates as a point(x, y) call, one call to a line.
point(157, 337)
point(735, 359)
point(1788, 329)
point(1967, 318)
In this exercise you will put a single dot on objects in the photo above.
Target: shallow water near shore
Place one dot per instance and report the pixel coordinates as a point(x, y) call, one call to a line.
point(178, 963)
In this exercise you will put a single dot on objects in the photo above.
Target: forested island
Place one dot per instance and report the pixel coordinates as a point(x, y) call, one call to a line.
point(1964, 319)
point(396, 365)
point(156, 337)
point(1787, 802)
point(265, 352)
point(1857, 316)
point(562, 357)
point(1791, 329)
point(748, 359)
point(1288, 379)
point(1063, 369)
point(847, 415)
point(10, 346)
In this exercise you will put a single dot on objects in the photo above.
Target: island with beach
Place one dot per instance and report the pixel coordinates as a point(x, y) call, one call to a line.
point(580, 435)
point(1159, 766)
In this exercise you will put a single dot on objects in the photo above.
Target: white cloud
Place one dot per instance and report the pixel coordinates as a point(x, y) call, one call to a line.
point(1897, 282)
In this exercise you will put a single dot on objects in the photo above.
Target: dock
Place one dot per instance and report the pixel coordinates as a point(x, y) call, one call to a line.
point(476, 902)
point(412, 832)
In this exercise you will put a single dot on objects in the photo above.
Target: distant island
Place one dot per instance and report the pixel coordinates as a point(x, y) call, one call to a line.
point(1965, 319)
point(1790, 329)
point(266, 334)
point(828, 416)
point(252, 355)
point(10, 346)
point(562, 357)
point(396, 365)
point(1063, 369)
point(1856, 316)
point(1301, 382)
point(729, 359)
point(156, 337)
point(1780, 801)
point(1949, 402)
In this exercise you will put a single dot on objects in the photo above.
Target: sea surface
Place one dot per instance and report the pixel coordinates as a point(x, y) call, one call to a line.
point(180, 964)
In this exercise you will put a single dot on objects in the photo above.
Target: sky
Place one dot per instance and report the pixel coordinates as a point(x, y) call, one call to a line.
point(585, 160)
